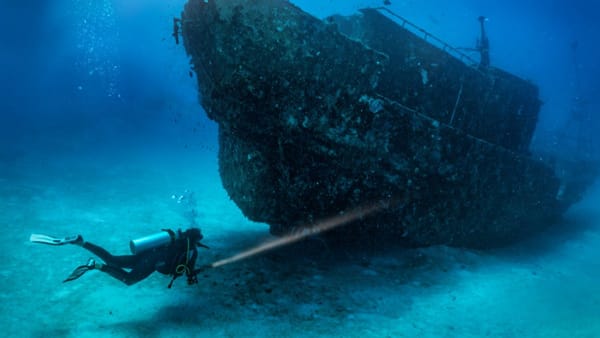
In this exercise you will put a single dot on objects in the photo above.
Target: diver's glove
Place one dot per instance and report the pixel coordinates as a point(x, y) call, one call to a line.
point(192, 277)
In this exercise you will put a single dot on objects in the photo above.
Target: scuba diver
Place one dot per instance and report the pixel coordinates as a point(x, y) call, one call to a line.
point(169, 252)
point(483, 45)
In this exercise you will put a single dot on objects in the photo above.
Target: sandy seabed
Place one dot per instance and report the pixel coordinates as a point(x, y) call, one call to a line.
point(548, 286)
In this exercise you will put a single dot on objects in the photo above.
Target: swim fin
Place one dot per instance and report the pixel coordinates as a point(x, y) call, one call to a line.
point(80, 270)
point(44, 239)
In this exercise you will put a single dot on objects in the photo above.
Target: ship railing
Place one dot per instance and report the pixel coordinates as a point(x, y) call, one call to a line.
point(429, 37)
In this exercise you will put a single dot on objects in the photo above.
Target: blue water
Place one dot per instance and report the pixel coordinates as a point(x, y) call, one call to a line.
point(101, 127)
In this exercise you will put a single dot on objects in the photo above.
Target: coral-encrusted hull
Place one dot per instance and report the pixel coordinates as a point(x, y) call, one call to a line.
point(307, 129)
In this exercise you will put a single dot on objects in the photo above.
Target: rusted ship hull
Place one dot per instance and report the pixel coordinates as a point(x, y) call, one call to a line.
point(316, 118)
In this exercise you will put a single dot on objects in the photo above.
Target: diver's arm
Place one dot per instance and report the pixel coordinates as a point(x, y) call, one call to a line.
point(190, 271)
point(193, 258)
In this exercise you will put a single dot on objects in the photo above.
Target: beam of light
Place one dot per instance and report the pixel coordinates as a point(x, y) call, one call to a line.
point(320, 227)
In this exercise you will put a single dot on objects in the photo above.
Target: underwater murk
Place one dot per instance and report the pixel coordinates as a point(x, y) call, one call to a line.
point(272, 168)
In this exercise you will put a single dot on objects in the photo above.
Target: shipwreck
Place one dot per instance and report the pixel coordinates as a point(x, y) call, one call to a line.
point(317, 117)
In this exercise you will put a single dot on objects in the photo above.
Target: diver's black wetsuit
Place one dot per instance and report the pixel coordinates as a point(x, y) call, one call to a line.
point(175, 259)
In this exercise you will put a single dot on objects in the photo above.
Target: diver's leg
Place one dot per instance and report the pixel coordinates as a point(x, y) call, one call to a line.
point(125, 261)
point(142, 265)
point(129, 278)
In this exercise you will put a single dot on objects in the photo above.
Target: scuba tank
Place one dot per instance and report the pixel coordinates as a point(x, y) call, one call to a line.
point(165, 237)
